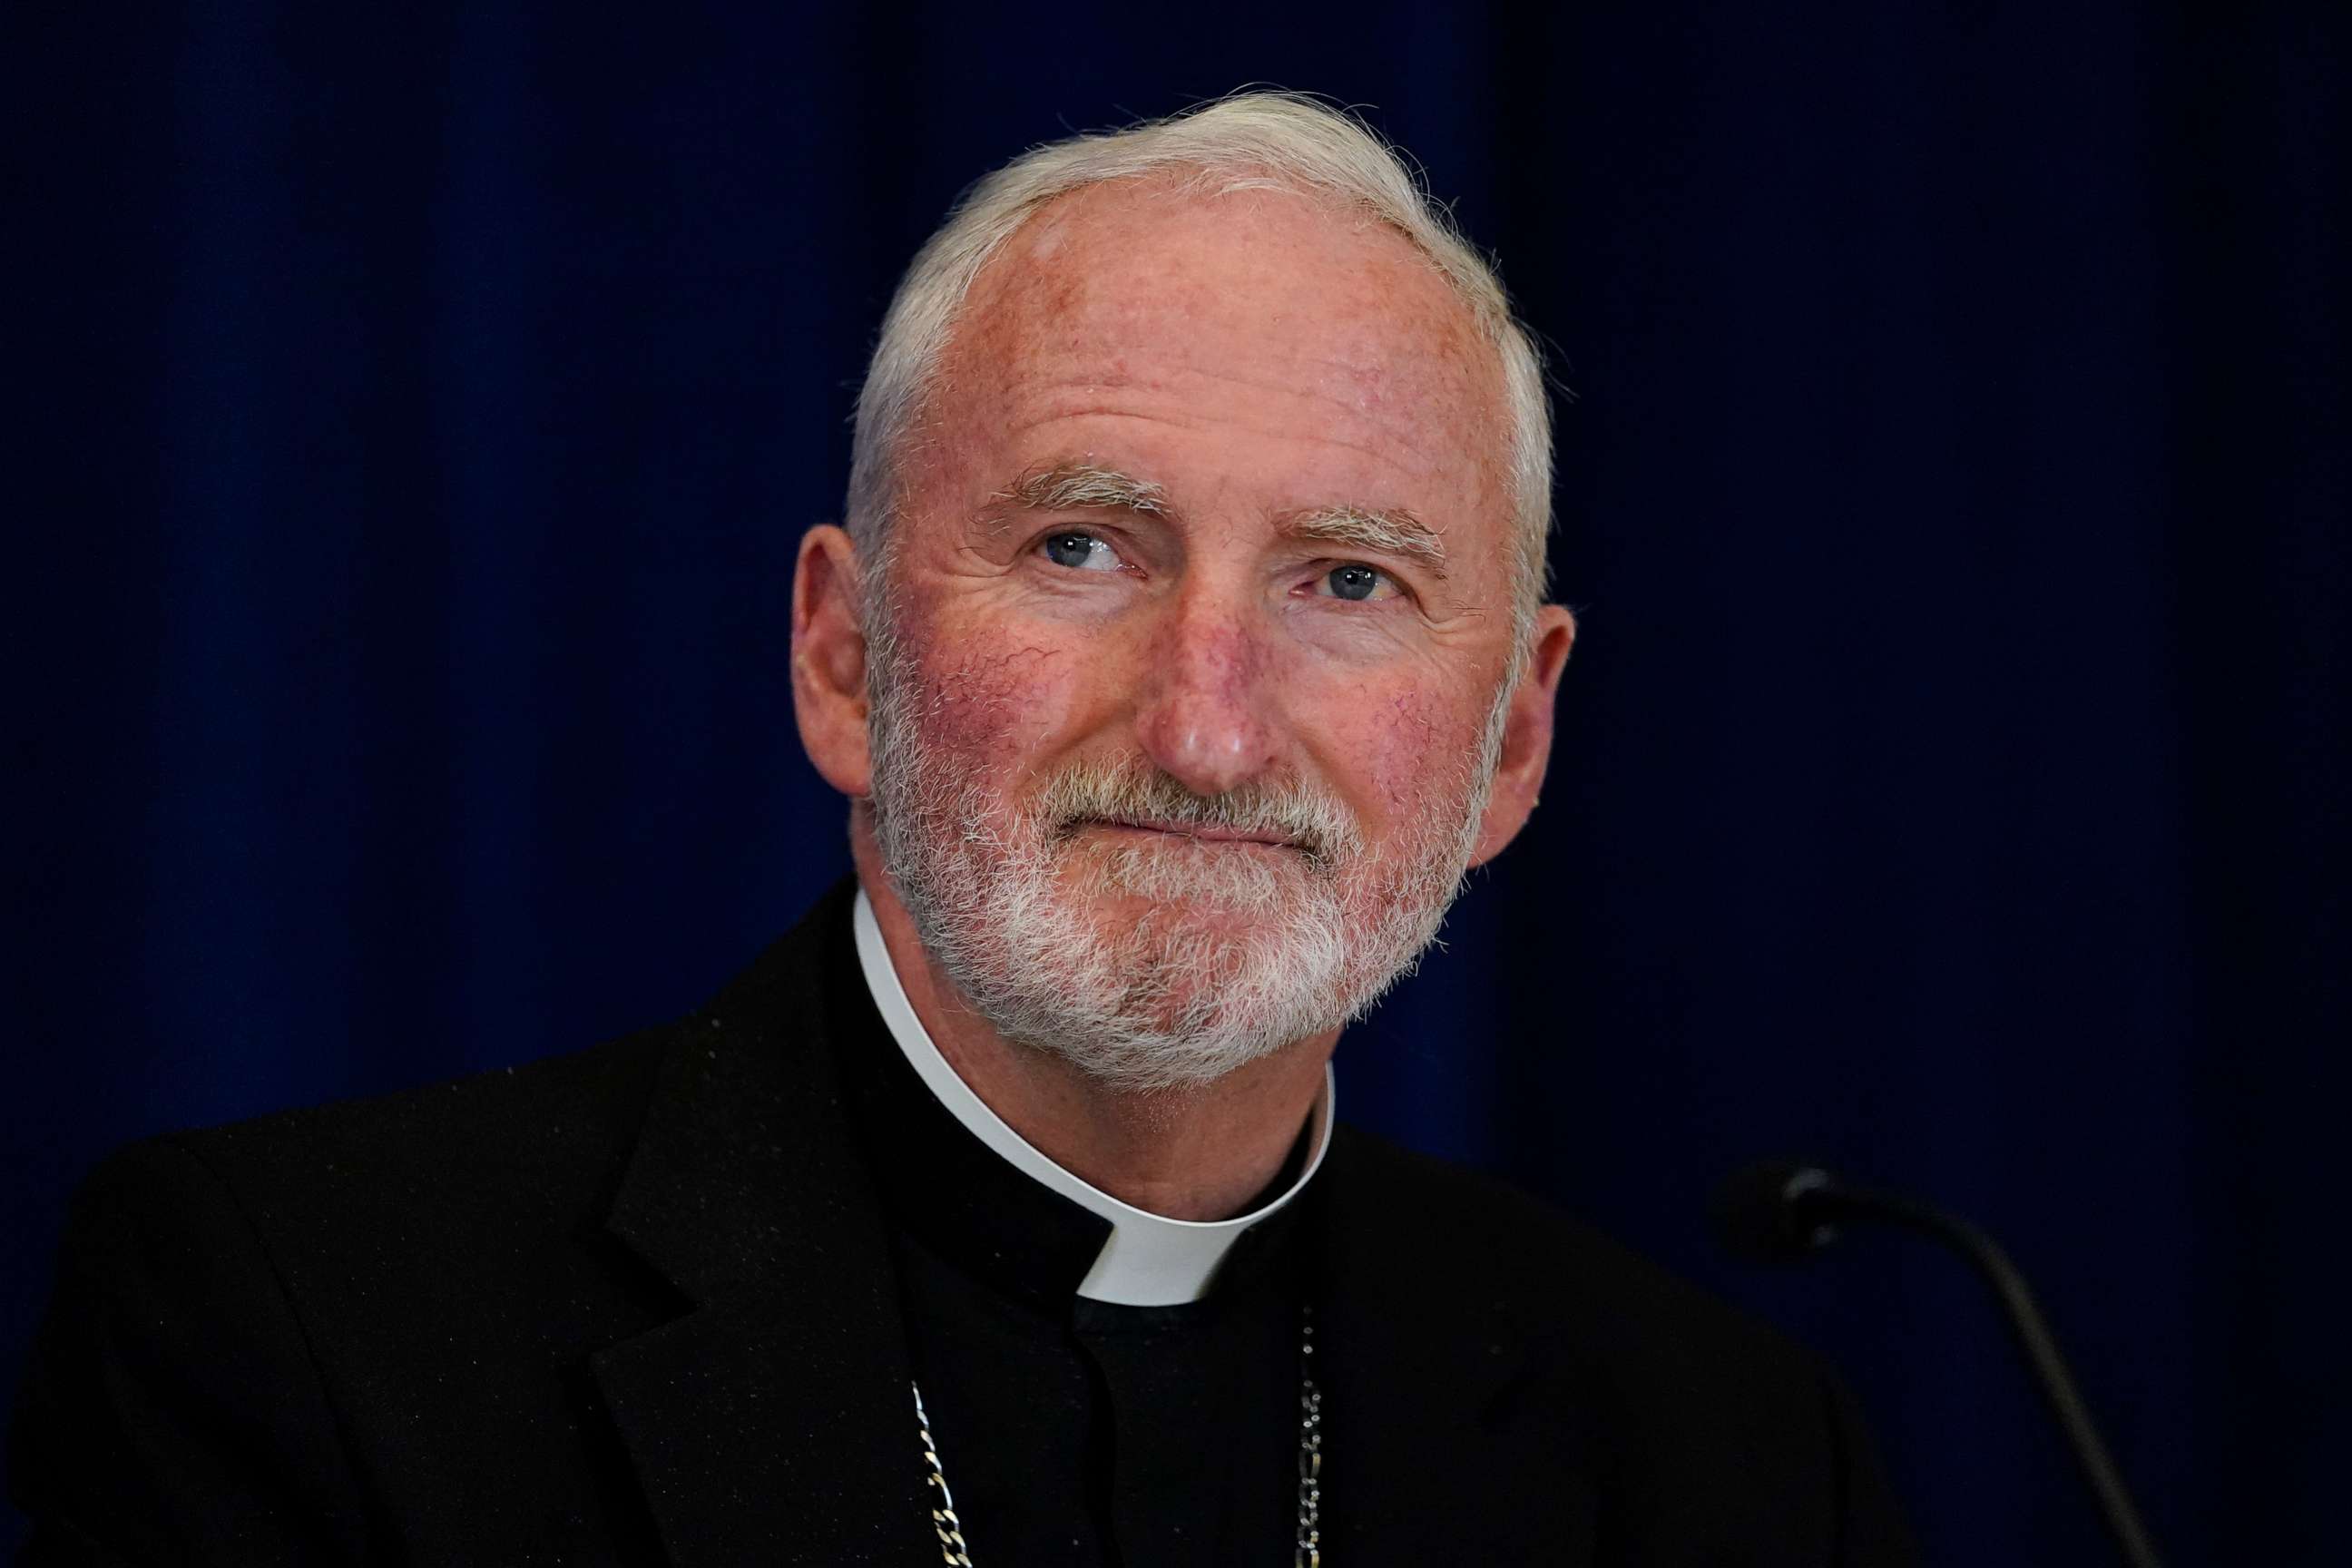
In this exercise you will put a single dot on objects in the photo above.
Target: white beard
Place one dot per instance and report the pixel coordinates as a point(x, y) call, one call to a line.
point(1237, 952)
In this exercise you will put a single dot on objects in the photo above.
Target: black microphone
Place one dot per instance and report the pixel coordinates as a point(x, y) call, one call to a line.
point(1780, 1213)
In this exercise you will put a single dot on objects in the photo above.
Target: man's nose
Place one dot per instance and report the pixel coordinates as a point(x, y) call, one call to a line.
point(1203, 716)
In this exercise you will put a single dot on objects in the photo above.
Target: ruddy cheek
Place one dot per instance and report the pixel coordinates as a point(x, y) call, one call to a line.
point(1409, 751)
point(997, 708)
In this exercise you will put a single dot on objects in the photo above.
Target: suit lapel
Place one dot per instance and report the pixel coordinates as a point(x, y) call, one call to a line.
point(772, 1422)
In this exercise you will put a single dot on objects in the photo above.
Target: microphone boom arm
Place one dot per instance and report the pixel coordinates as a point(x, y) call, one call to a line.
point(1820, 1200)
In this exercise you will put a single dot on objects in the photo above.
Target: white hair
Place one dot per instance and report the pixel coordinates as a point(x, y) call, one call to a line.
point(1249, 141)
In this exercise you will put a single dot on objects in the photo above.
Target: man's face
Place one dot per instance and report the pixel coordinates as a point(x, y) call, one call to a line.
point(1198, 618)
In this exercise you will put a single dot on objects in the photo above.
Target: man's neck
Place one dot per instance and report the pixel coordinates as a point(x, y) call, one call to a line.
point(1198, 1153)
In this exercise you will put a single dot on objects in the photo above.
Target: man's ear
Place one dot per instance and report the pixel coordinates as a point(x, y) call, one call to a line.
point(829, 660)
point(1527, 734)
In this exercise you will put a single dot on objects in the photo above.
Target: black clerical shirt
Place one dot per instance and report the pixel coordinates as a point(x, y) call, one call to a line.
point(1073, 1431)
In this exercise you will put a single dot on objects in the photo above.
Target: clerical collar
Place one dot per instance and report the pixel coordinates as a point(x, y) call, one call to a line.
point(1149, 1259)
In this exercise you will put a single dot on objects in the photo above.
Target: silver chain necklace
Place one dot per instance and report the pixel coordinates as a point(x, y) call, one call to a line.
point(1306, 1553)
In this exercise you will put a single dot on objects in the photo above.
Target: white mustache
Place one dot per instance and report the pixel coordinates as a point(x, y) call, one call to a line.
point(1292, 813)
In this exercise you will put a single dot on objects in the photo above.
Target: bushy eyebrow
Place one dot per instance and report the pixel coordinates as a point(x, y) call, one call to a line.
point(1083, 487)
point(1395, 531)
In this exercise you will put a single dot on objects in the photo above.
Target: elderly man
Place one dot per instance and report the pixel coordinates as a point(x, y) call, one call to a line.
point(1184, 646)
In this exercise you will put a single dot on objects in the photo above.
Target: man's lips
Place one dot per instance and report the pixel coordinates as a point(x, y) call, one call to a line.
point(1208, 833)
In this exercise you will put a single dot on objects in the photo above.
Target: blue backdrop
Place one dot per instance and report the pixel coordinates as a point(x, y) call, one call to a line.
point(420, 409)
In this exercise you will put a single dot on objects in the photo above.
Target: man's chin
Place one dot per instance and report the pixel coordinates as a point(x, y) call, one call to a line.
point(1177, 982)
point(1202, 918)
point(1237, 908)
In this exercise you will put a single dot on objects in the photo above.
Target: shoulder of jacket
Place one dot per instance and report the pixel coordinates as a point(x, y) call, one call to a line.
point(1567, 1282)
point(543, 1113)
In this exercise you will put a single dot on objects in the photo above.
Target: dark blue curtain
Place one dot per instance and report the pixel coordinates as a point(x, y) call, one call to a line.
point(414, 413)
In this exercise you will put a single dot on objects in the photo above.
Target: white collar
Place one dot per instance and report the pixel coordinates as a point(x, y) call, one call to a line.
point(1149, 1260)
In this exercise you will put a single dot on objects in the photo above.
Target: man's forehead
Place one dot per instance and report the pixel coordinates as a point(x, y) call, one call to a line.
point(1228, 305)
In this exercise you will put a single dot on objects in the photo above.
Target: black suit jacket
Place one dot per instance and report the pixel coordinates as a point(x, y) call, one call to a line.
point(636, 1305)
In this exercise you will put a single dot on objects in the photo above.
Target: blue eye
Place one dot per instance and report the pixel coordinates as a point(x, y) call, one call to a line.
point(1354, 580)
point(1080, 552)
